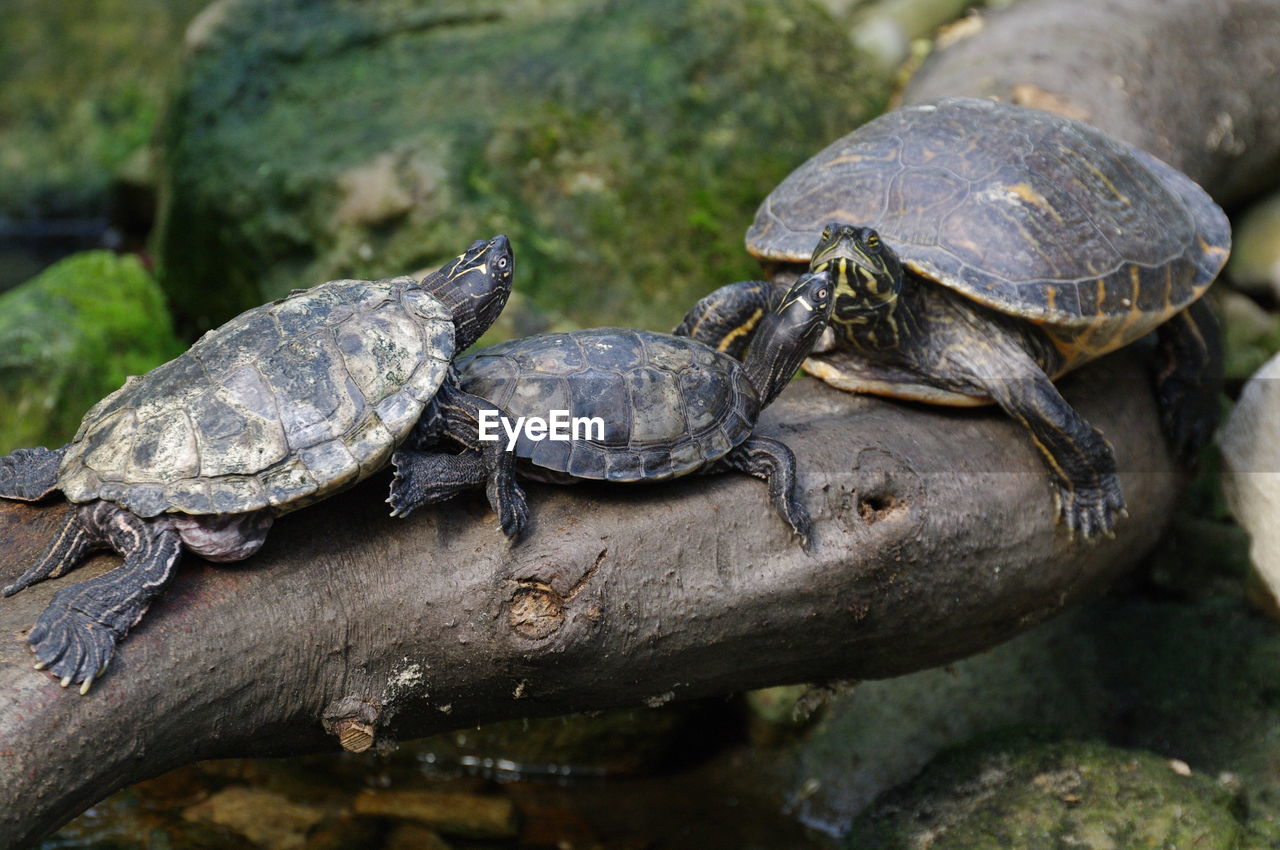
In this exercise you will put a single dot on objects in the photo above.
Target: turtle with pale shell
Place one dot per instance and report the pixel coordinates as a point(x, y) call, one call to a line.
point(282, 406)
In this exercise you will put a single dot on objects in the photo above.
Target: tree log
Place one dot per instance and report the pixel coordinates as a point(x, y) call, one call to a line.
point(935, 539)
point(935, 531)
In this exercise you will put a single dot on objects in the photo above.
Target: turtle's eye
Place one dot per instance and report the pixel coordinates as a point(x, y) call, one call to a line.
point(826, 234)
point(502, 264)
point(873, 242)
point(822, 294)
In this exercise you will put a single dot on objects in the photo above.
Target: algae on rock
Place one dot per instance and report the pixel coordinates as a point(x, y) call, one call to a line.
point(70, 336)
point(1019, 793)
point(81, 88)
point(623, 146)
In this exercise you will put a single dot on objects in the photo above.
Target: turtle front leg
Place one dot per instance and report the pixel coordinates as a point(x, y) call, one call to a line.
point(425, 478)
point(772, 461)
point(75, 637)
point(459, 420)
point(726, 319)
point(1086, 486)
point(1189, 378)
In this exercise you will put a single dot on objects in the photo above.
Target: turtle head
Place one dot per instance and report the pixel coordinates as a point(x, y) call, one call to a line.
point(866, 273)
point(788, 333)
point(474, 286)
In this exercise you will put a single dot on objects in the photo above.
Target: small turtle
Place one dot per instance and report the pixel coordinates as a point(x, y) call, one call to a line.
point(284, 405)
point(981, 250)
point(670, 405)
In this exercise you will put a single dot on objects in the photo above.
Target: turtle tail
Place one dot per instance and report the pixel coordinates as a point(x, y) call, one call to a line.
point(30, 474)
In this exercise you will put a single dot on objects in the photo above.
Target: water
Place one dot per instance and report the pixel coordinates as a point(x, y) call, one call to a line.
point(727, 798)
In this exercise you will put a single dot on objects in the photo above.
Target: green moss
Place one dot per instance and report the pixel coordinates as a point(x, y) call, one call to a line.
point(1252, 335)
point(623, 146)
point(70, 336)
point(1023, 792)
point(81, 87)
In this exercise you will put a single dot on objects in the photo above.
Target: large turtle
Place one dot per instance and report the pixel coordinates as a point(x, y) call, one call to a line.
point(670, 406)
point(284, 405)
point(980, 250)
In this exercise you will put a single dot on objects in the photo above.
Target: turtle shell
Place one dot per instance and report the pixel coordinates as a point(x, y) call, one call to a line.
point(670, 404)
point(280, 407)
point(1031, 213)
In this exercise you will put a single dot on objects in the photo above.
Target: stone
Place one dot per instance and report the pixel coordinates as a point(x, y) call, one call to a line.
point(81, 89)
point(1251, 334)
point(1020, 793)
point(1255, 251)
point(623, 146)
point(72, 335)
point(270, 820)
point(1250, 444)
point(450, 812)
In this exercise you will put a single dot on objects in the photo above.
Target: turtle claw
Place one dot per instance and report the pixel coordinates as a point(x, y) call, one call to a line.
point(71, 647)
point(1090, 513)
point(801, 525)
point(512, 508)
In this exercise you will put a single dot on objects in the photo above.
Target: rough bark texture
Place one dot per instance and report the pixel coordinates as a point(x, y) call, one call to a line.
point(935, 539)
point(935, 528)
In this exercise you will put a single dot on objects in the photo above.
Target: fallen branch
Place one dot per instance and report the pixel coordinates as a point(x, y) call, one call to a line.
point(935, 539)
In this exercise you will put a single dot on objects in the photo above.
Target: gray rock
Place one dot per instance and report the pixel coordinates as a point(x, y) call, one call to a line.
point(1251, 468)
point(1255, 254)
point(70, 336)
point(1021, 793)
point(623, 146)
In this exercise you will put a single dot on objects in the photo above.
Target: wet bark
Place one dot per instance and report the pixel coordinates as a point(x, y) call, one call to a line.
point(935, 531)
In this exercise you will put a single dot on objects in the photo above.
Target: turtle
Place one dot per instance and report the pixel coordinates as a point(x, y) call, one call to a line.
point(981, 250)
point(284, 405)
point(670, 406)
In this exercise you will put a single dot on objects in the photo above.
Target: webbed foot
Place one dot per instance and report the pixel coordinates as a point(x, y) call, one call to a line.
point(423, 478)
point(74, 638)
point(70, 644)
point(801, 523)
point(774, 463)
point(508, 501)
point(1090, 512)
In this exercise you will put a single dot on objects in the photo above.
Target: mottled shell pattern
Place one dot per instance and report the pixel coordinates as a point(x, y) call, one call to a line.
point(1031, 213)
point(670, 404)
point(280, 407)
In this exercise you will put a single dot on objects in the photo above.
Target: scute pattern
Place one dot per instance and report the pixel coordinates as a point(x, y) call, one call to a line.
point(1031, 213)
point(281, 406)
point(670, 404)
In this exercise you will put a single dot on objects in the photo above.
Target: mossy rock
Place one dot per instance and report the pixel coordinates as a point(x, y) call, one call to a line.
point(1255, 253)
point(70, 336)
point(81, 90)
point(1022, 793)
point(623, 146)
point(1252, 335)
